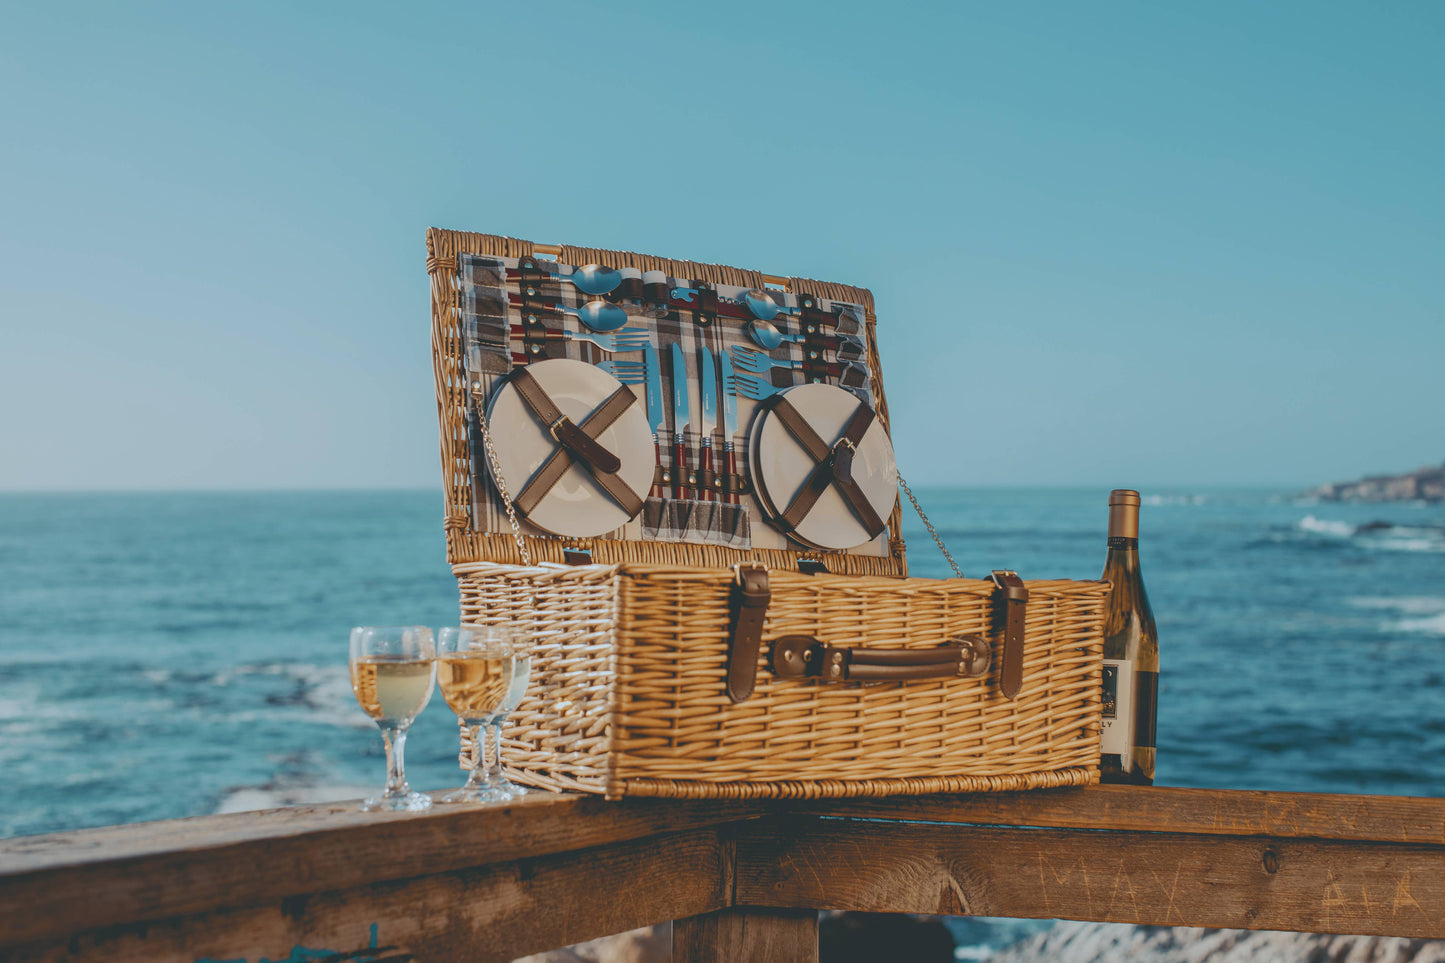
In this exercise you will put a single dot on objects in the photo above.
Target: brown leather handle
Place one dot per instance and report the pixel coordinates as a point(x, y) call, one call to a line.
point(802, 656)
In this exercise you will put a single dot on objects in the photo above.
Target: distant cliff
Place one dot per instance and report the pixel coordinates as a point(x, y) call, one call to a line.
point(1422, 484)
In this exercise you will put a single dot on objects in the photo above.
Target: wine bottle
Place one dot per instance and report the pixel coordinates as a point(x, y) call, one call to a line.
point(1131, 654)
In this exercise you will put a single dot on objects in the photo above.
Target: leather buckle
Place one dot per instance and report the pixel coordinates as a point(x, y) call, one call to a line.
point(552, 428)
point(751, 566)
point(1008, 582)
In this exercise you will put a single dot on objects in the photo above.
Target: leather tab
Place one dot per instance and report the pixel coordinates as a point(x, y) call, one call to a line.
point(567, 432)
point(750, 597)
point(574, 440)
point(843, 461)
point(1015, 596)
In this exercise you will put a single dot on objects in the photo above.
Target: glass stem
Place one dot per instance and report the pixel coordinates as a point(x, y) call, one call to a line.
point(496, 773)
point(395, 739)
point(477, 778)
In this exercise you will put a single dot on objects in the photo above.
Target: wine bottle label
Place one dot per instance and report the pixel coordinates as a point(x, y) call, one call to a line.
point(1117, 734)
point(1148, 687)
point(1119, 541)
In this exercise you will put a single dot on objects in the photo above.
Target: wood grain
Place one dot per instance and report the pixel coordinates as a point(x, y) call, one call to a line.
point(51, 885)
point(738, 936)
point(495, 913)
point(1400, 819)
point(1311, 885)
point(548, 870)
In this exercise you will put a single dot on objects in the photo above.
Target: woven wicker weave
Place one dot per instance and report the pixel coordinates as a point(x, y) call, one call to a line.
point(630, 666)
point(628, 693)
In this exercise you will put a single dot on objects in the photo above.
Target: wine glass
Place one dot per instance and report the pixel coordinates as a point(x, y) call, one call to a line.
point(521, 672)
point(482, 678)
point(392, 671)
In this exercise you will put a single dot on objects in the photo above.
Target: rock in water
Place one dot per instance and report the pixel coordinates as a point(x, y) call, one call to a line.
point(1070, 942)
point(1422, 484)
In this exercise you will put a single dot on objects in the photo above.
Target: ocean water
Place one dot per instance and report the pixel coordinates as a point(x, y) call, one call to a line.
point(166, 655)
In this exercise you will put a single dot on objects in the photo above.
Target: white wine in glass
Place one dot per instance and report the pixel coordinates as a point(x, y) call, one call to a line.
point(392, 668)
point(521, 672)
point(477, 670)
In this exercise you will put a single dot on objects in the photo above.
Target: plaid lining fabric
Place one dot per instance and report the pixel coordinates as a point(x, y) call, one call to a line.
point(487, 317)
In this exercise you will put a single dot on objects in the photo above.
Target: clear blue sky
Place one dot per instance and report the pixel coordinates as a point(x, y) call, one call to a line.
point(1111, 243)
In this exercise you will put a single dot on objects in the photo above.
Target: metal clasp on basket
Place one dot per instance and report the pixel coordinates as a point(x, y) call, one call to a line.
point(750, 566)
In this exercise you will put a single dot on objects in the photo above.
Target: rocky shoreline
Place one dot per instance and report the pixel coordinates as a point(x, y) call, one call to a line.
point(1423, 484)
point(901, 938)
point(1070, 942)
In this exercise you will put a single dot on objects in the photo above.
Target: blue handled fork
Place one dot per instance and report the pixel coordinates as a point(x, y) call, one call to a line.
point(627, 372)
point(621, 341)
point(751, 386)
point(759, 363)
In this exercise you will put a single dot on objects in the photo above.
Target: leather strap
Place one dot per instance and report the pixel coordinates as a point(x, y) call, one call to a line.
point(1015, 596)
point(750, 597)
point(834, 466)
point(575, 442)
point(563, 428)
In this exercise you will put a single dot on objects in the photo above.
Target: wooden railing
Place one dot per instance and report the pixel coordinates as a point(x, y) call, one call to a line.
point(741, 880)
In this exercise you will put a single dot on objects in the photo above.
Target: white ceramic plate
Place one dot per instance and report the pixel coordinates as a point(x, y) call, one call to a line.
point(760, 492)
point(576, 505)
point(780, 466)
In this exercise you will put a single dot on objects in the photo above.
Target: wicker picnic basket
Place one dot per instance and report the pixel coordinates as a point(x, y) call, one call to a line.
point(642, 687)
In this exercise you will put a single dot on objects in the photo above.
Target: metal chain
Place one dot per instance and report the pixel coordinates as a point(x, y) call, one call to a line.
point(501, 483)
point(929, 525)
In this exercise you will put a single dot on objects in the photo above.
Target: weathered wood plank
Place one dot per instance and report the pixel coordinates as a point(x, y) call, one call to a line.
point(495, 913)
point(741, 936)
point(158, 870)
point(1330, 886)
point(1400, 819)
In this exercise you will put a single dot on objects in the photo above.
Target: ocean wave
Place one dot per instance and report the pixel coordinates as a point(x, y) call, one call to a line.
point(1162, 500)
point(1434, 624)
point(1324, 526)
point(320, 693)
point(1417, 605)
point(1402, 538)
point(1379, 536)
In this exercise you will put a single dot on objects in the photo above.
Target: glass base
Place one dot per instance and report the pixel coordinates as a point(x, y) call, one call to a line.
point(412, 802)
point(479, 794)
point(510, 788)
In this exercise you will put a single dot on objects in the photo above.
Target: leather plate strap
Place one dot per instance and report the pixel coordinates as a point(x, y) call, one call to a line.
point(834, 466)
point(1014, 595)
point(750, 597)
point(577, 442)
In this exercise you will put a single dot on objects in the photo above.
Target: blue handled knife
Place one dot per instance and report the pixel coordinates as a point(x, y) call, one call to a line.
point(730, 421)
point(656, 413)
point(708, 381)
point(681, 416)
